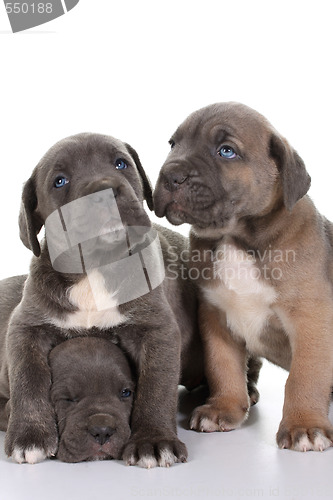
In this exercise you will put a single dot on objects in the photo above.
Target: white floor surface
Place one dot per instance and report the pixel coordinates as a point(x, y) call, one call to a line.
point(245, 463)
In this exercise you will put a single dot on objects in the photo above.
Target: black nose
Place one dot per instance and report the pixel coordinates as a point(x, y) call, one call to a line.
point(173, 180)
point(101, 434)
point(178, 179)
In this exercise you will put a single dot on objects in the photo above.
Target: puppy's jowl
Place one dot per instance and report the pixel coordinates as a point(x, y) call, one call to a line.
point(267, 291)
point(99, 272)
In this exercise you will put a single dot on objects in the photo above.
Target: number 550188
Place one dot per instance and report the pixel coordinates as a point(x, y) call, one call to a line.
point(25, 8)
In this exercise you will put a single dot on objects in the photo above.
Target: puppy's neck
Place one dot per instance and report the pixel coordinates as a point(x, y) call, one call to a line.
point(50, 284)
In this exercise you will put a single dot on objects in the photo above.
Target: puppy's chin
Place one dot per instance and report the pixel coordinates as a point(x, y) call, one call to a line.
point(88, 451)
point(215, 230)
point(204, 223)
point(176, 215)
point(108, 451)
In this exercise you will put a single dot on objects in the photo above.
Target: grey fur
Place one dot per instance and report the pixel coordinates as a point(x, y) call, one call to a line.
point(89, 376)
point(160, 332)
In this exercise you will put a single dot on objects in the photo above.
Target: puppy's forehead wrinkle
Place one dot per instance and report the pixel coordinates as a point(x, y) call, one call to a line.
point(218, 134)
point(217, 118)
point(83, 148)
point(194, 127)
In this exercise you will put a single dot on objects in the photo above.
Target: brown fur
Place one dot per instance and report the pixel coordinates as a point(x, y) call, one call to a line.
point(255, 204)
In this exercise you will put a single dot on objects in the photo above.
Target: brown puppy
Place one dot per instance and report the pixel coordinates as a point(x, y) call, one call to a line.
point(92, 394)
point(263, 256)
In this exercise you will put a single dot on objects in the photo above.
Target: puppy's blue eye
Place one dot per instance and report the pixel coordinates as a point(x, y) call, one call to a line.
point(126, 393)
point(60, 181)
point(120, 164)
point(227, 152)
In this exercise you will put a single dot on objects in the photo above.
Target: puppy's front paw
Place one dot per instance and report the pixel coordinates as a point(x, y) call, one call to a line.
point(149, 453)
point(219, 416)
point(31, 444)
point(304, 438)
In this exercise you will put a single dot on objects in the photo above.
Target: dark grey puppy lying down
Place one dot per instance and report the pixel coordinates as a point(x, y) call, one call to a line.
point(92, 393)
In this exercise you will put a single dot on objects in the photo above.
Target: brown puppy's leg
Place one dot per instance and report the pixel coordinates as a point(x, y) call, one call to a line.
point(305, 425)
point(225, 367)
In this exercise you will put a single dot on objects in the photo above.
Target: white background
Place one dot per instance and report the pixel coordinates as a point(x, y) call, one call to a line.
point(135, 70)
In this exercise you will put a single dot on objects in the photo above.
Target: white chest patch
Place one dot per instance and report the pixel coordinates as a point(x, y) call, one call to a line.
point(97, 307)
point(242, 294)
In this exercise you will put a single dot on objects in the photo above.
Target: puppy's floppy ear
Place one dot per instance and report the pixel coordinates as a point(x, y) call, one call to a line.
point(30, 223)
point(147, 189)
point(295, 179)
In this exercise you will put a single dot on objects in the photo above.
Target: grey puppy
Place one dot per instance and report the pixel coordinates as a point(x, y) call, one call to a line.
point(92, 394)
point(157, 330)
